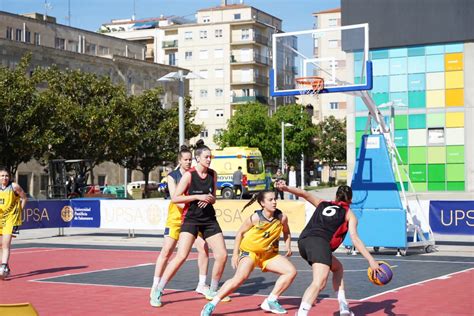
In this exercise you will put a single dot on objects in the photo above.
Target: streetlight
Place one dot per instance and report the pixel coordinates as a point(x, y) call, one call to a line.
point(180, 77)
point(283, 125)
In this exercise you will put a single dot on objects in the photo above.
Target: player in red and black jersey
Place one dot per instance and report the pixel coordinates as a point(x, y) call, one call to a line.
point(322, 235)
point(197, 190)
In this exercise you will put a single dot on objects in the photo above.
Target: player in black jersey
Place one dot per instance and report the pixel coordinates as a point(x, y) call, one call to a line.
point(197, 190)
point(322, 235)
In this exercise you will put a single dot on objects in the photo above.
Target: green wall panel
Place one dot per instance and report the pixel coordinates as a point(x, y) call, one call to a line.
point(436, 173)
point(417, 121)
point(401, 138)
point(401, 121)
point(435, 120)
point(417, 155)
point(403, 151)
point(358, 138)
point(436, 186)
point(380, 98)
point(437, 154)
point(456, 186)
point(455, 172)
point(360, 123)
point(420, 186)
point(455, 154)
point(417, 99)
point(418, 173)
point(405, 186)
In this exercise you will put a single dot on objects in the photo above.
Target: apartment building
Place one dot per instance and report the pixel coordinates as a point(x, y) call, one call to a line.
point(328, 104)
point(71, 48)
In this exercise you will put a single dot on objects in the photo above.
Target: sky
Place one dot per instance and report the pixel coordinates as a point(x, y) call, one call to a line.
point(91, 14)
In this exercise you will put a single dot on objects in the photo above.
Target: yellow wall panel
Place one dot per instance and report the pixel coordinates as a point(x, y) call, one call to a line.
point(455, 119)
point(435, 98)
point(454, 79)
point(455, 97)
point(453, 62)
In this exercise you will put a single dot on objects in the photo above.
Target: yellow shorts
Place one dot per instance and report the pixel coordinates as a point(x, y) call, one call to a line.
point(260, 259)
point(9, 224)
point(172, 231)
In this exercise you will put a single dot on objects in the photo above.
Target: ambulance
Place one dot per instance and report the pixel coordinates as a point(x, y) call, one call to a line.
point(226, 161)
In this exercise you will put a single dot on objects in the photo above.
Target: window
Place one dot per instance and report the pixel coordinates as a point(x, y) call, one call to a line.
point(204, 133)
point(218, 53)
point(73, 46)
point(203, 93)
point(255, 165)
point(188, 55)
point(203, 54)
point(44, 182)
point(237, 16)
point(219, 113)
point(172, 59)
point(333, 105)
point(333, 22)
point(91, 48)
point(188, 35)
point(28, 36)
point(202, 34)
point(333, 44)
point(219, 73)
point(37, 39)
point(101, 180)
point(219, 93)
point(59, 43)
point(23, 182)
point(245, 34)
point(203, 114)
point(218, 33)
point(206, 19)
point(203, 73)
point(103, 50)
point(9, 34)
point(18, 35)
point(436, 136)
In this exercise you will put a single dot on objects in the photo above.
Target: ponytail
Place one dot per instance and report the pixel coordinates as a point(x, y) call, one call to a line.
point(252, 200)
point(260, 196)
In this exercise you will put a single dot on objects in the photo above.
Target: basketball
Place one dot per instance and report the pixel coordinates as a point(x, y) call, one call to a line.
point(381, 278)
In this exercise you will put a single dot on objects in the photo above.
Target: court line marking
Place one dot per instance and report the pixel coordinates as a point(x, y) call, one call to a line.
point(442, 277)
point(405, 260)
point(35, 251)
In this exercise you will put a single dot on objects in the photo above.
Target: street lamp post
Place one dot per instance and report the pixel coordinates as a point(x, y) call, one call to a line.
point(283, 125)
point(180, 77)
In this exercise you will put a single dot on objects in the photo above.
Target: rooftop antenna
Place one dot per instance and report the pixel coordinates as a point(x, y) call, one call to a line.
point(134, 11)
point(47, 6)
point(68, 17)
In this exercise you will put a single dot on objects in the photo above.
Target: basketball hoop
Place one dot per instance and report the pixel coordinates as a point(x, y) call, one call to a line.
point(310, 85)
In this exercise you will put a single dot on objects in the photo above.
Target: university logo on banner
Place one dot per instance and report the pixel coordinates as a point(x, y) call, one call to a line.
point(452, 217)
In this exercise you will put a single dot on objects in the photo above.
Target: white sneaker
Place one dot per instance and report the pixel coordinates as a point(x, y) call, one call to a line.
point(202, 289)
point(272, 306)
point(4, 272)
point(344, 309)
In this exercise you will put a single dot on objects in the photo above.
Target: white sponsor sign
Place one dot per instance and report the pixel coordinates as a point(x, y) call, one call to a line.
point(137, 214)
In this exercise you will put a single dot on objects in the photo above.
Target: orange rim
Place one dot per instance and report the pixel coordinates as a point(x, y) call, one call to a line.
point(311, 83)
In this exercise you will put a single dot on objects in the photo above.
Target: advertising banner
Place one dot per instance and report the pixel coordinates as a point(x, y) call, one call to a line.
point(46, 214)
point(452, 217)
point(137, 214)
point(86, 213)
point(230, 217)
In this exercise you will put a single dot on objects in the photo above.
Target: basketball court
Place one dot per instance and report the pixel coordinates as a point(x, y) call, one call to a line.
point(108, 280)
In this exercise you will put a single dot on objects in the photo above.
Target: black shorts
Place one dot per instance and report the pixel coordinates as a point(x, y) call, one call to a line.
point(206, 229)
point(315, 250)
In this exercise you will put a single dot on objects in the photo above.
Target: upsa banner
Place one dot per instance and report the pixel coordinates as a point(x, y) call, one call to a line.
point(46, 214)
point(452, 217)
point(230, 216)
point(86, 213)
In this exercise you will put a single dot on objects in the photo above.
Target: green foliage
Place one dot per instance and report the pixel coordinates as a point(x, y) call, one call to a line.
point(330, 144)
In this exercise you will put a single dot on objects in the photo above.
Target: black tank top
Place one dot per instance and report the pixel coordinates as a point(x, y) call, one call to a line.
point(192, 212)
point(328, 222)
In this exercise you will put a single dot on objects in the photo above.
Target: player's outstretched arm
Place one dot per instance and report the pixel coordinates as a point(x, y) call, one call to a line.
point(281, 185)
point(358, 244)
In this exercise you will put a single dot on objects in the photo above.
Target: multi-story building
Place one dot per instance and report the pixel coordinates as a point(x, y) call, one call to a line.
point(228, 46)
point(71, 48)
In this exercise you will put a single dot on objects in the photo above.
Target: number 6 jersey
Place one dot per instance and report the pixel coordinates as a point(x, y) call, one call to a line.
point(328, 222)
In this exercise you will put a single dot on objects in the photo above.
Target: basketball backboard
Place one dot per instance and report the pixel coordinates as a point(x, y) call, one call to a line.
point(340, 55)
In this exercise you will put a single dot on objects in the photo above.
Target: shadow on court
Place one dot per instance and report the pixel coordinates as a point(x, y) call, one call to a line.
point(44, 271)
point(364, 308)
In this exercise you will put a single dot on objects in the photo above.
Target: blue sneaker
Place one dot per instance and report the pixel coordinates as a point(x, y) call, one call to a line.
point(208, 309)
point(272, 306)
point(155, 297)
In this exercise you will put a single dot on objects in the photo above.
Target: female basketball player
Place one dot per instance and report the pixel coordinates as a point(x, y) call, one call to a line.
point(256, 245)
point(322, 235)
point(12, 201)
point(173, 228)
point(197, 190)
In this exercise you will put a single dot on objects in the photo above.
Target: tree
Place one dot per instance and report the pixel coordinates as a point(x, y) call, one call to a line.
point(23, 130)
point(330, 143)
point(251, 126)
point(299, 137)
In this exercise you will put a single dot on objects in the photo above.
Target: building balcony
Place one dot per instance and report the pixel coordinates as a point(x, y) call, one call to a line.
point(245, 99)
point(258, 80)
point(257, 58)
point(170, 44)
point(257, 38)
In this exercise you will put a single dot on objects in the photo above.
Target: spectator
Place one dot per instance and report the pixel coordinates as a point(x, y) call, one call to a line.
point(293, 181)
point(278, 176)
point(237, 181)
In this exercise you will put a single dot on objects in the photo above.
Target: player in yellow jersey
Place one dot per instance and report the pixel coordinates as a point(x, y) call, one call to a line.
point(173, 228)
point(12, 201)
point(256, 245)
